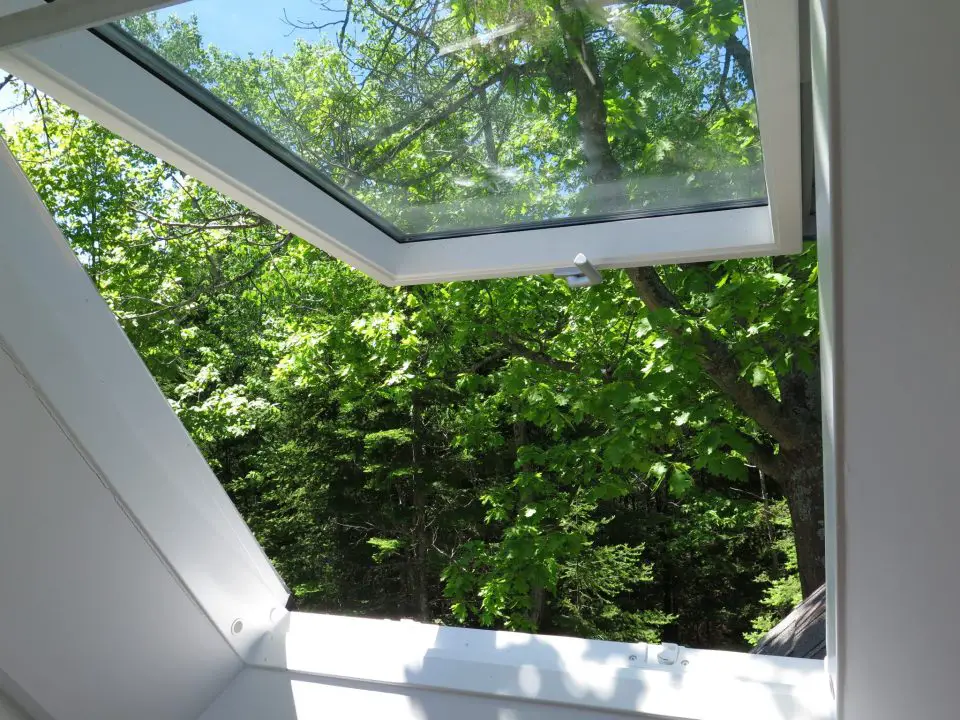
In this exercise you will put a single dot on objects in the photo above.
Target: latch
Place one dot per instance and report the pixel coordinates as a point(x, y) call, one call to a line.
point(663, 654)
point(583, 274)
point(669, 653)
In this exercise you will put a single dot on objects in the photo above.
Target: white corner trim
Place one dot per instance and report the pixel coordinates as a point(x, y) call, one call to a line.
point(62, 16)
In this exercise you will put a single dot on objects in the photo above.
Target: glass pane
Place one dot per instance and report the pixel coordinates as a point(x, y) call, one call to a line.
point(447, 117)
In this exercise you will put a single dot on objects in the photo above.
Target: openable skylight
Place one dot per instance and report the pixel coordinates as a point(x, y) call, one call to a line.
point(450, 118)
point(513, 135)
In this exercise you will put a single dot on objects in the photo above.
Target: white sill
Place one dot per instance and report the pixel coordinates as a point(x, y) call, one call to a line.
point(398, 657)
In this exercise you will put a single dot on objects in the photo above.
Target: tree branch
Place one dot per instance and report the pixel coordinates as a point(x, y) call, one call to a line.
point(733, 44)
point(768, 463)
point(537, 356)
point(721, 365)
point(211, 224)
point(722, 86)
point(343, 28)
point(397, 22)
point(449, 110)
point(428, 103)
point(277, 247)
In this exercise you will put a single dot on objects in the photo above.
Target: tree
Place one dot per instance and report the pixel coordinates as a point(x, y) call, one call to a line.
point(395, 113)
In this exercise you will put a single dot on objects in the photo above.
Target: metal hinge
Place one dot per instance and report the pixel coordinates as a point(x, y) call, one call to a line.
point(583, 274)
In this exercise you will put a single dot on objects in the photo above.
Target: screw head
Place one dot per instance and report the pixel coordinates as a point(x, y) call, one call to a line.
point(633, 658)
point(237, 627)
point(684, 662)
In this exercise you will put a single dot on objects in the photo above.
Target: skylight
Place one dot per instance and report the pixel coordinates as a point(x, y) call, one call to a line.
point(514, 135)
point(441, 118)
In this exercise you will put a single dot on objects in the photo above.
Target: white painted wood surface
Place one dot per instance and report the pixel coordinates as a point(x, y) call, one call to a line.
point(120, 555)
point(420, 670)
point(92, 624)
point(8, 7)
point(41, 20)
point(888, 97)
point(53, 321)
point(266, 695)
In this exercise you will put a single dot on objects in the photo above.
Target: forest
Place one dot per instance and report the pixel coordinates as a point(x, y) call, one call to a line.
point(639, 460)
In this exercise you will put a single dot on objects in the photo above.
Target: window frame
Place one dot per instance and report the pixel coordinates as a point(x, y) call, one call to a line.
point(57, 328)
point(641, 679)
point(120, 421)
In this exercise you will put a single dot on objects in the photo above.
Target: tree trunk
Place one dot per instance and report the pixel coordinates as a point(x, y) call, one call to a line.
point(602, 166)
point(538, 603)
point(420, 585)
point(802, 482)
point(421, 588)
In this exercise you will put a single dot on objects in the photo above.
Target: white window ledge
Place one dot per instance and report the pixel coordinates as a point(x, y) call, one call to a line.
point(353, 667)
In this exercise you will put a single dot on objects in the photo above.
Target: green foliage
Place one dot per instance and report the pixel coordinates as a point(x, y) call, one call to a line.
point(592, 587)
point(383, 548)
point(783, 586)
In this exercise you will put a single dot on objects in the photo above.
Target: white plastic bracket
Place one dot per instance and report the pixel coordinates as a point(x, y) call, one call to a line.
point(583, 274)
point(669, 654)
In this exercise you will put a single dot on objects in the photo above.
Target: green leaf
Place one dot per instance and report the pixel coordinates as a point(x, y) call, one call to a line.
point(384, 548)
point(680, 481)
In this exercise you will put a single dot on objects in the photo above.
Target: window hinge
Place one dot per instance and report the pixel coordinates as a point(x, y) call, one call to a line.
point(583, 274)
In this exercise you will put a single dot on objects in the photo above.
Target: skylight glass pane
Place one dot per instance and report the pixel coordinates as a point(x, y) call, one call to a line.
point(456, 117)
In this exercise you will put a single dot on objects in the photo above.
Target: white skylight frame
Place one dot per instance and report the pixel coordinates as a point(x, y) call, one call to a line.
point(87, 73)
point(119, 420)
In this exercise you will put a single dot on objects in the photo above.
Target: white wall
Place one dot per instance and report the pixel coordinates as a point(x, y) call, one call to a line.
point(888, 124)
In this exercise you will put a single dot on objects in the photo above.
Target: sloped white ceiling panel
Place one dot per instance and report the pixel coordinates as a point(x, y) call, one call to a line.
point(94, 626)
point(56, 324)
point(102, 494)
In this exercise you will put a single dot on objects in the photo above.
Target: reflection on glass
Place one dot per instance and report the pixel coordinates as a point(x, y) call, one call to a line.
point(451, 116)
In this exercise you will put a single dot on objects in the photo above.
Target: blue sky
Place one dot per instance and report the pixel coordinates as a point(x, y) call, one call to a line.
point(252, 26)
